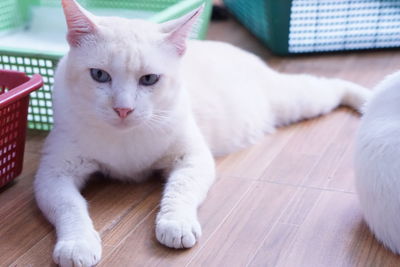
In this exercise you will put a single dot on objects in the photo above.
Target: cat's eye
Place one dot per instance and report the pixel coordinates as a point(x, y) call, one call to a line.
point(149, 79)
point(100, 76)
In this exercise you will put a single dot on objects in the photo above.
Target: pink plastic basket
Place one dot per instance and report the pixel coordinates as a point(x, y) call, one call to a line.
point(14, 99)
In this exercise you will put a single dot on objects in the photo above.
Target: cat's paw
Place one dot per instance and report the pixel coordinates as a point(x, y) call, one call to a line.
point(178, 232)
point(82, 252)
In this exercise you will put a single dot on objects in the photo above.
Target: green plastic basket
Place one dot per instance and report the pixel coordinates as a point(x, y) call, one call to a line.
point(309, 26)
point(16, 16)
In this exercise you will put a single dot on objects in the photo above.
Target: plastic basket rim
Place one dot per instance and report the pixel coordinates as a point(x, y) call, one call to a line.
point(159, 17)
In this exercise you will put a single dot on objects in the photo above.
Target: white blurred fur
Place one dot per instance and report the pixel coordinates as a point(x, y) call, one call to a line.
point(377, 163)
point(215, 99)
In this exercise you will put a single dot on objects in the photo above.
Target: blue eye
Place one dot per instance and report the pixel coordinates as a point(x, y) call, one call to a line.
point(149, 79)
point(100, 76)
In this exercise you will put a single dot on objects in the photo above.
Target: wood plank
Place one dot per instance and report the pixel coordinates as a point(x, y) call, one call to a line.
point(236, 241)
point(21, 222)
point(303, 151)
point(19, 192)
point(343, 177)
point(301, 205)
point(324, 172)
point(334, 234)
point(252, 162)
point(34, 141)
point(21, 231)
point(114, 234)
point(274, 246)
point(141, 247)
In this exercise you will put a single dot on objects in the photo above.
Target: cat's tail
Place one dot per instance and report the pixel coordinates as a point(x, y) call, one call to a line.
point(305, 96)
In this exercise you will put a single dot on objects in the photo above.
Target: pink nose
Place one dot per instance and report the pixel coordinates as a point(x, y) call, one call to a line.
point(123, 112)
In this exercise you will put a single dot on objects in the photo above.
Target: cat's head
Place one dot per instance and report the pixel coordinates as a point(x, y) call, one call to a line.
point(124, 72)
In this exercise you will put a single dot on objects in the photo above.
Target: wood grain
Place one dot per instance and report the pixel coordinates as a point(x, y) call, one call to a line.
point(274, 247)
point(334, 234)
point(246, 163)
point(241, 234)
point(147, 252)
point(309, 141)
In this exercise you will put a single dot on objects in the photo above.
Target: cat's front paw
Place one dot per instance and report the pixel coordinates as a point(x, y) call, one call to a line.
point(82, 252)
point(175, 232)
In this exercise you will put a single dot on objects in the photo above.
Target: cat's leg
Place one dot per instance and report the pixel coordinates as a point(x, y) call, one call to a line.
point(192, 174)
point(57, 186)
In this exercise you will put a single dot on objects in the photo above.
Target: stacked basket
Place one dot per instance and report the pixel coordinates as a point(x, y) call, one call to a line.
point(308, 26)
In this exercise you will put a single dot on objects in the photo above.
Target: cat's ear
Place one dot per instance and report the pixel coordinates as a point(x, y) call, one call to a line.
point(79, 21)
point(178, 30)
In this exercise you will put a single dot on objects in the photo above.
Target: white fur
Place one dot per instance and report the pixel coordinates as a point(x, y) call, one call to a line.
point(237, 98)
point(215, 99)
point(377, 163)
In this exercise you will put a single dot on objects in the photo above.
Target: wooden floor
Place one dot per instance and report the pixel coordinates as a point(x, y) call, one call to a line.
point(288, 201)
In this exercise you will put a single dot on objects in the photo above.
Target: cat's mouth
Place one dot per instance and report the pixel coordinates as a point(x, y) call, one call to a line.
point(127, 123)
point(132, 121)
point(123, 124)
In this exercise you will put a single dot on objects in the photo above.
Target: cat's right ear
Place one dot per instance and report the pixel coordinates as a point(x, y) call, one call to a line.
point(79, 22)
point(178, 30)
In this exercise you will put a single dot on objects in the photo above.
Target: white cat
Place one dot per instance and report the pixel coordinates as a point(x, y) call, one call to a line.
point(377, 162)
point(133, 96)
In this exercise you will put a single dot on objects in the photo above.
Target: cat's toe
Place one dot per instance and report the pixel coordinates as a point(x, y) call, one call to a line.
point(178, 233)
point(83, 252)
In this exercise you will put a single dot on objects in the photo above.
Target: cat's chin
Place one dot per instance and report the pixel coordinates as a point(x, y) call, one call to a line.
point(124, 125)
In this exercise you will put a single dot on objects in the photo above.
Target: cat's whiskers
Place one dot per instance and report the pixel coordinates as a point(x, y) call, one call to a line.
point(159, 122)
point(157, 127)
point(149, 126)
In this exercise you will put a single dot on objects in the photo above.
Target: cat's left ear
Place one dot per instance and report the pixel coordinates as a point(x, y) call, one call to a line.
point(178, 30)
point(80, 22)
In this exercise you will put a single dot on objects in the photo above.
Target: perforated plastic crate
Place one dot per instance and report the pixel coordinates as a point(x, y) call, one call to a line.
point(14, 99)
point(308, 26)
point(32, 37)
